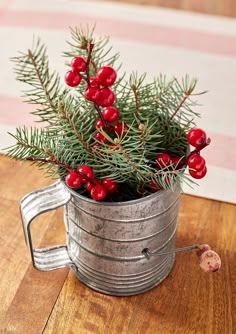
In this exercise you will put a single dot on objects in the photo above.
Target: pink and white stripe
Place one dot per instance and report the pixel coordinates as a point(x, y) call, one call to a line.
point(151, 40)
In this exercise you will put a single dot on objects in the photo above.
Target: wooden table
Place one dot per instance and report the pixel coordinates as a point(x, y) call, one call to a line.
point(187, 302)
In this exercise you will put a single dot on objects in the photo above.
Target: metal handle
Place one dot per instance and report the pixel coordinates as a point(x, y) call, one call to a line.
point(148, 253)
point(31, 206)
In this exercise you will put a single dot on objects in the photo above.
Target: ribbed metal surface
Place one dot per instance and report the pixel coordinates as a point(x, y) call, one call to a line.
point(34, 204)
point(105, 241)
point(51, 258)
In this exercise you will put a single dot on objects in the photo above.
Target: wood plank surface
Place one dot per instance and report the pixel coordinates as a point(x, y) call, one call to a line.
point(187, 302)
point(27, 295)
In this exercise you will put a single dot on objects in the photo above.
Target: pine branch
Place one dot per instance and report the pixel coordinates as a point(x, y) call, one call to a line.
point(41, 80)
point(73, 127)
point(130, 162)
point(31, 142)
point(135, 84)
point(32, 68)
point(50, 161)
point(142, 138)
point(158, 115)
point(101, 55)
point(187, 94)
point(137, 107)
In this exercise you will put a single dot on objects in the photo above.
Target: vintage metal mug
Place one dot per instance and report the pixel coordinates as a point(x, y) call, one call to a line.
point(106, 242)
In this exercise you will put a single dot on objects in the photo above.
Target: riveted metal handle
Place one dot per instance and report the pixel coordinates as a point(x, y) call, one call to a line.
point(32, 205)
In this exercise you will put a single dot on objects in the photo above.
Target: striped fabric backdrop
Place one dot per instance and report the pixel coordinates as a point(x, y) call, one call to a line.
point(149, 39)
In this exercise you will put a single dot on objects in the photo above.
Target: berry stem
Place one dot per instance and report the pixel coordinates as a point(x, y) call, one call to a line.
point(90, 49)
point(89, 58)
point(87, 79)
point(104, 123)
point(196, 151)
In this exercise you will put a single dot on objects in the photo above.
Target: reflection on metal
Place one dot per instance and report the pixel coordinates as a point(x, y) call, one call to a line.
point(108, 244)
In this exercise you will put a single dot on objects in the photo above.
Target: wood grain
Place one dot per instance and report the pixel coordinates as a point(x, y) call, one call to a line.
point(27, 296)
point(187, 302)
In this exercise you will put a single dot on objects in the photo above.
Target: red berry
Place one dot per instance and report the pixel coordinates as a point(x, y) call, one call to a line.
point(95, 146)
point(175, 161)
point(110, 185)
point(196, 137)
point(106, 97)
point(106, 76)
point(99, 124)
point(93, 82)
point(113, 147)
point(78, 64)
point(196, 162)
point(121, 129)
point(153, 186)
point(92, 93)
point(87, 171)
point(198, 174)
point(110, 114)
point(73, 179)
point(163, 160)
point(100, 137)
point(89, 186)
point(72, 78)
point(98, 192)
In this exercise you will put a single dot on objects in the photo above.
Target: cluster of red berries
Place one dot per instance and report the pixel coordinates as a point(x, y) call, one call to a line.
point(98, 190)
point(163, 160)
point(98, 91)
point(108, 116)
point(196, 163)
point(84, 174)
point(97, 88)
point(73, 77)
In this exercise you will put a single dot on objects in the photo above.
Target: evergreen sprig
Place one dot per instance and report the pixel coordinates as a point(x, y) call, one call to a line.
point(32, 68)
point(158, 114)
